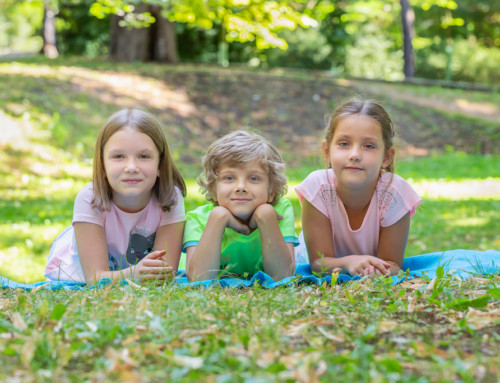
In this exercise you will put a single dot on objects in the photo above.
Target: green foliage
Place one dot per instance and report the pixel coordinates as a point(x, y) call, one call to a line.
point(372, 56)
point(79, 32)
point(20, 23)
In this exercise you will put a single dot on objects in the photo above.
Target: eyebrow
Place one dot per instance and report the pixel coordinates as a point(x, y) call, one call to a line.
point(344, 136)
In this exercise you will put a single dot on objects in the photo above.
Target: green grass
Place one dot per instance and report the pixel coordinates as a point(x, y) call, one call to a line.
point(444, 330)
point(364, 331)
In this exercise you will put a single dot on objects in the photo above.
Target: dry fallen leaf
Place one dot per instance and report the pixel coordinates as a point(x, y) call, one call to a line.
point(480, 319)
point(333, 337)
point(18, 321)
point(387, 325)
point(192, 362)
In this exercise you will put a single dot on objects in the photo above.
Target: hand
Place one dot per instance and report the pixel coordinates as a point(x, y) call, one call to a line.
point(230, 220)
point(153, 266)
point(366, 265)
point(263, 213)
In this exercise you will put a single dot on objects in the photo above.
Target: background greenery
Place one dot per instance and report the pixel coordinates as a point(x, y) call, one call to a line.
point(53, 109)
point(453, 40)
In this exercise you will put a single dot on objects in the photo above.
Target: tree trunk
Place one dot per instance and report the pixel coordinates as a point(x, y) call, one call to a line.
point(49, 47)
point(164, 38)
point(407, 19)
point(155, 43)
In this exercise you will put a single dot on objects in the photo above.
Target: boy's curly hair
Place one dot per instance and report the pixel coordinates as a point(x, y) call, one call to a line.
point(239, 148)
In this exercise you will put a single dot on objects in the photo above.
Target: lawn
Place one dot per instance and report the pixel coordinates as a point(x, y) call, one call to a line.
point(440, 330)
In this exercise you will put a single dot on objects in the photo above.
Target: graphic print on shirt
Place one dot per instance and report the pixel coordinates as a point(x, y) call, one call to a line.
point(138, 247)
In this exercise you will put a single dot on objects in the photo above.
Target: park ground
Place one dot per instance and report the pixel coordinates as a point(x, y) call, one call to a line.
point(426, 330)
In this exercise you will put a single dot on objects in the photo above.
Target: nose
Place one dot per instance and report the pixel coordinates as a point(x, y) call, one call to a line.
point(131, 166)
point(241, 185)
point(355, 153)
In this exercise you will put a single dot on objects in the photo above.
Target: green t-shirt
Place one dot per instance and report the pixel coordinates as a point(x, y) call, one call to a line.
point(240, 254)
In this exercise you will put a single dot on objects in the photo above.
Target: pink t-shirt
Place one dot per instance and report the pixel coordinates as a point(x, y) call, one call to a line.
point(392, 199)
point(129, 236)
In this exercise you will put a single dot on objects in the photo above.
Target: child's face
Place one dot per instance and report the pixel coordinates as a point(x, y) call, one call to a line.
point(357, 152)
point(242, 189)
point(131, 162)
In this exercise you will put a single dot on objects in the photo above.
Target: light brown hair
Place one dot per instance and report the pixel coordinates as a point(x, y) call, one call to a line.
point(368, 108)
point(169, 175)
point(239, 148)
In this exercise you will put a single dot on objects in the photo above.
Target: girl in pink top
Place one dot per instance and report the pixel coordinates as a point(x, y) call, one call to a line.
point(133, 210)
point(356, 214)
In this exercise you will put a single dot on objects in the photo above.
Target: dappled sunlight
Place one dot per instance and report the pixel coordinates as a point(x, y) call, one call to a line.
point(457, 190)
point(476, 107)
point(125, 90)
point(470, 221)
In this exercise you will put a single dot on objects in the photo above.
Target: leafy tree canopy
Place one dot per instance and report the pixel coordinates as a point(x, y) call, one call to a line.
point(241, 20)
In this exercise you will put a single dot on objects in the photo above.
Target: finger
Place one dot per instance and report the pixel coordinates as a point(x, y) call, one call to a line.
point(157, 267)
point(155, 254)
point(154, 263)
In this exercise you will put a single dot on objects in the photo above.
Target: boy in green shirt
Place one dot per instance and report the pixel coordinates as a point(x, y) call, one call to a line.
point(248, 226)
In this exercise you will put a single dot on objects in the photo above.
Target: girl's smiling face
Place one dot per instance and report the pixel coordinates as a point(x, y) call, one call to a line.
point(357, 152)
point(131, 162)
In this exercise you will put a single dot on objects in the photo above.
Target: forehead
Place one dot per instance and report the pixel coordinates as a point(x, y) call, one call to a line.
point(252, 166)
point(358, 125)
point(131, 141)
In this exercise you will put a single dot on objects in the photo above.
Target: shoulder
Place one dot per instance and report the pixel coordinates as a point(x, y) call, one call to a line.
point(201, 212)
point(318, 188)
point(394, 183)
point(87, 191)
point(85, 196)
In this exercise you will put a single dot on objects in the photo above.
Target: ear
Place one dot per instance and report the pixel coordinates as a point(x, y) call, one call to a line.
point(326, 150)
point(389, 157)
point(213, 191)
point(271, 197)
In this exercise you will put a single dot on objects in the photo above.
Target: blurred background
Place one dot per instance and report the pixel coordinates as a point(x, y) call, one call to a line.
point(206, 67)
point(391, 40)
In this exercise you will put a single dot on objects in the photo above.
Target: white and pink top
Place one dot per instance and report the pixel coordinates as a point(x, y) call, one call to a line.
point(392, 199)
point(129, 236)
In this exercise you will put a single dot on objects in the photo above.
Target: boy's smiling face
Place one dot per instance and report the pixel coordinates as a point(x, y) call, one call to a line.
point(242, 189)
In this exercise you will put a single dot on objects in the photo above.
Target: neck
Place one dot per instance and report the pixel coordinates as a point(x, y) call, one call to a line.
point(133, 204)
point(356, 199)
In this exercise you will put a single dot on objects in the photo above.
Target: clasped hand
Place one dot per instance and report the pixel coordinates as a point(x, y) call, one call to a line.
point(153, 266)
point(262, 214)
point(366, 265)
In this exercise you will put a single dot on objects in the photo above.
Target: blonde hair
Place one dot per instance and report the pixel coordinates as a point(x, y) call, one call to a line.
point(239, 148)
point(369, 108)
point(169, 175)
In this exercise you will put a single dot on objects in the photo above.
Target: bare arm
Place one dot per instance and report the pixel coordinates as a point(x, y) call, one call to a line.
point(319, 240)
point(169, 238)
point(278, 256)
point(203, 260)
point(392, 243)
point(93, 254)
point(319, 243)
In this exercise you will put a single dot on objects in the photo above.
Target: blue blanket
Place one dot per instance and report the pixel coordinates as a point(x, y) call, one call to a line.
point(462, 263)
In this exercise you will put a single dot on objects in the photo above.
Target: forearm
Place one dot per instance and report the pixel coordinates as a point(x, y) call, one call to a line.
point(94, 276)
point(277, 255)
point(395, 268)
point(326, 265)
point(204, 259)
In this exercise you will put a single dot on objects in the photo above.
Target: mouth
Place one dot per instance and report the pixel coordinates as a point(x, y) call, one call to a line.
point(240, 200)
point(353, 168)
point(131, 181)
